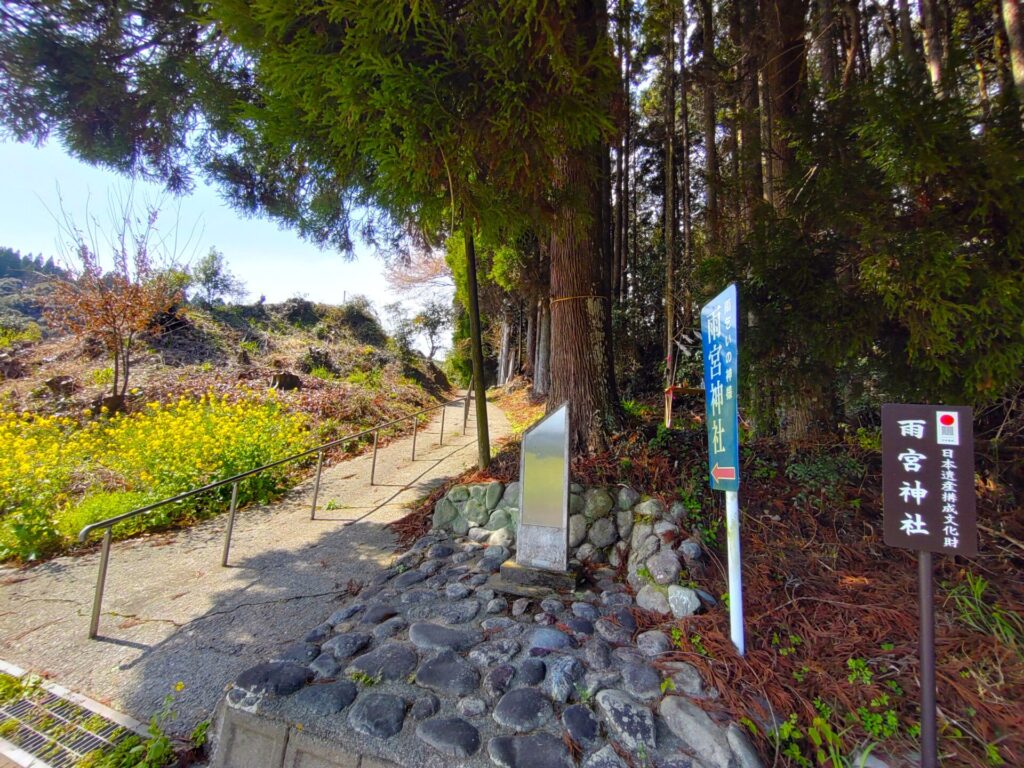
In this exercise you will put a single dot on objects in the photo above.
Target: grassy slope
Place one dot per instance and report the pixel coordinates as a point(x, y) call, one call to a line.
point(350, 379)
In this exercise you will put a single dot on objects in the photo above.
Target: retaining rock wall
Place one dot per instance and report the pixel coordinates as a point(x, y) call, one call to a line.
point(606, 525)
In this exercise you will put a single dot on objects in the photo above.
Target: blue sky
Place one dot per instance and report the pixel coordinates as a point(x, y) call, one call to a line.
point(272, 261)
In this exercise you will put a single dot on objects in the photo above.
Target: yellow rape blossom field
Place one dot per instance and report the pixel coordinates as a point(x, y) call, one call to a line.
point(58, 474)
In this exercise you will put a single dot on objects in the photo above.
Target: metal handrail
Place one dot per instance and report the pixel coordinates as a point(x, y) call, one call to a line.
point(110, 522)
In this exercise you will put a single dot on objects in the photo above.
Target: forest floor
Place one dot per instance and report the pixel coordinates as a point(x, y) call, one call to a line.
point(831, 612)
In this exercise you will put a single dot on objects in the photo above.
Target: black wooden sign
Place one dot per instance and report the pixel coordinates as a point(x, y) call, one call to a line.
point(928, 478)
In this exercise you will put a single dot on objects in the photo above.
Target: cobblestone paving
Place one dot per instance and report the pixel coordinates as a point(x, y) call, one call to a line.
point(427, 667)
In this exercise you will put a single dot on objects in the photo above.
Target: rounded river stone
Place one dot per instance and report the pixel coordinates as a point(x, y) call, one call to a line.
point(303, 653)
point(328, 699)
point(451, 736)
point(580, 626)
point(425, 706)
point(585, 611)
point(409, 578)
point(325, 665)
point(581, 724)
point(440, 550)
point(629, 723)
point(439, 638)
point(612, 632)
point(343, 614)
point(379, 613)
point(530, 672)
point(549, 639)
point(494, 652)
point(458, 612)
point(563, 674)
point(497, 680)
point(627, 497)
point(346, 644)
point(279, 678)
point(391, 661)
point(603, 533)
point(524, 709)
point(448, 673)
point(378, 714)
point(642, 681)
point(537, 750)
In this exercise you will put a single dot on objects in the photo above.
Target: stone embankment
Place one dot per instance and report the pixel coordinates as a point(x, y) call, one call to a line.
point(428, 666)
point(605, 527)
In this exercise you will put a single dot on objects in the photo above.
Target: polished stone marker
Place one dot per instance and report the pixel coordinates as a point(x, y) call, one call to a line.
point(542, 538)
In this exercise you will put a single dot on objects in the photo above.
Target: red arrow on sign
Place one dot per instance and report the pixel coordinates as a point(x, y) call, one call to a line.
point(723, 473)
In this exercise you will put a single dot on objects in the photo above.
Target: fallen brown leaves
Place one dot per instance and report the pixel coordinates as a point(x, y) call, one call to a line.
point(821, 590)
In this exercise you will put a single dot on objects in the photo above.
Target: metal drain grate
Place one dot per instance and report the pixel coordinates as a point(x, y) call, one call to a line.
point(56, 731)
point(51, 727)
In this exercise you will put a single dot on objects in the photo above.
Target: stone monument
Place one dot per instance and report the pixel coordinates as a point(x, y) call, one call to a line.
point(542, 537)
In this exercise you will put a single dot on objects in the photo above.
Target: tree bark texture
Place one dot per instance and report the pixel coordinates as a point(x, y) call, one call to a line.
point(542, 368)
point(483, 440)
point(711, 173)
point(684, 191)
point(826, 37)
point(1014, 23)
point(503, 351)
point(750, 119)
point(627, 145)
point(908, 45)
point(931, 20)
point(531, 338)
point(785, 69)
point(669, 207)
point(619, 215)
point(581, 362)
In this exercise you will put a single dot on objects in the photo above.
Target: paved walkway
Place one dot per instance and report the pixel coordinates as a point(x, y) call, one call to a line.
point(171, 613)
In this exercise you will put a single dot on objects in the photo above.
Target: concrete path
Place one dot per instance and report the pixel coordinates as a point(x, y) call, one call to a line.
point(171, 613)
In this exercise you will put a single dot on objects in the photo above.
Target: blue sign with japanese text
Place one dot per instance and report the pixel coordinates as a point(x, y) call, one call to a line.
point(718, 331)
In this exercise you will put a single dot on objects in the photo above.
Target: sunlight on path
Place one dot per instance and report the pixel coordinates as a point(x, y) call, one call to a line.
point(171, 613)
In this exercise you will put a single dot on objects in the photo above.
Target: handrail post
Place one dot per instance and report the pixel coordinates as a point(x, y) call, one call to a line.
point(440, 441)
point(231, 525)
point(373, 466)
point(101, 581)
point(415, 425)
point(465, 411)
point(316, 487)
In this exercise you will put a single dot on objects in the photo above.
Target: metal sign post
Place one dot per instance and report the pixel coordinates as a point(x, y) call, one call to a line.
point(718, 330)
point(929, 506)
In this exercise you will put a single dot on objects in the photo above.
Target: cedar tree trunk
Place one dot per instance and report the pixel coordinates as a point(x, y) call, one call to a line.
point(581, 350)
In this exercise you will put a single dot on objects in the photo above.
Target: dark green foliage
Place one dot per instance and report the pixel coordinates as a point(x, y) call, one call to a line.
point(300, 312)
point(25, 283)
point(944, 247)
point(28, 267)
point(356, 317)
point(121, 84)
point(429, 112)
point(316, 359)
point(897, 270)
point(212, 279)
point(431, 321)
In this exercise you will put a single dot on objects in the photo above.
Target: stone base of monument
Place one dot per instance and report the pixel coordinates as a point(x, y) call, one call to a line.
point(526, 581)
point(428, 667)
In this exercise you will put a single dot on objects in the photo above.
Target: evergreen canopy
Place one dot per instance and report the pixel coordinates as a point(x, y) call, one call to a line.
point(423, 110)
